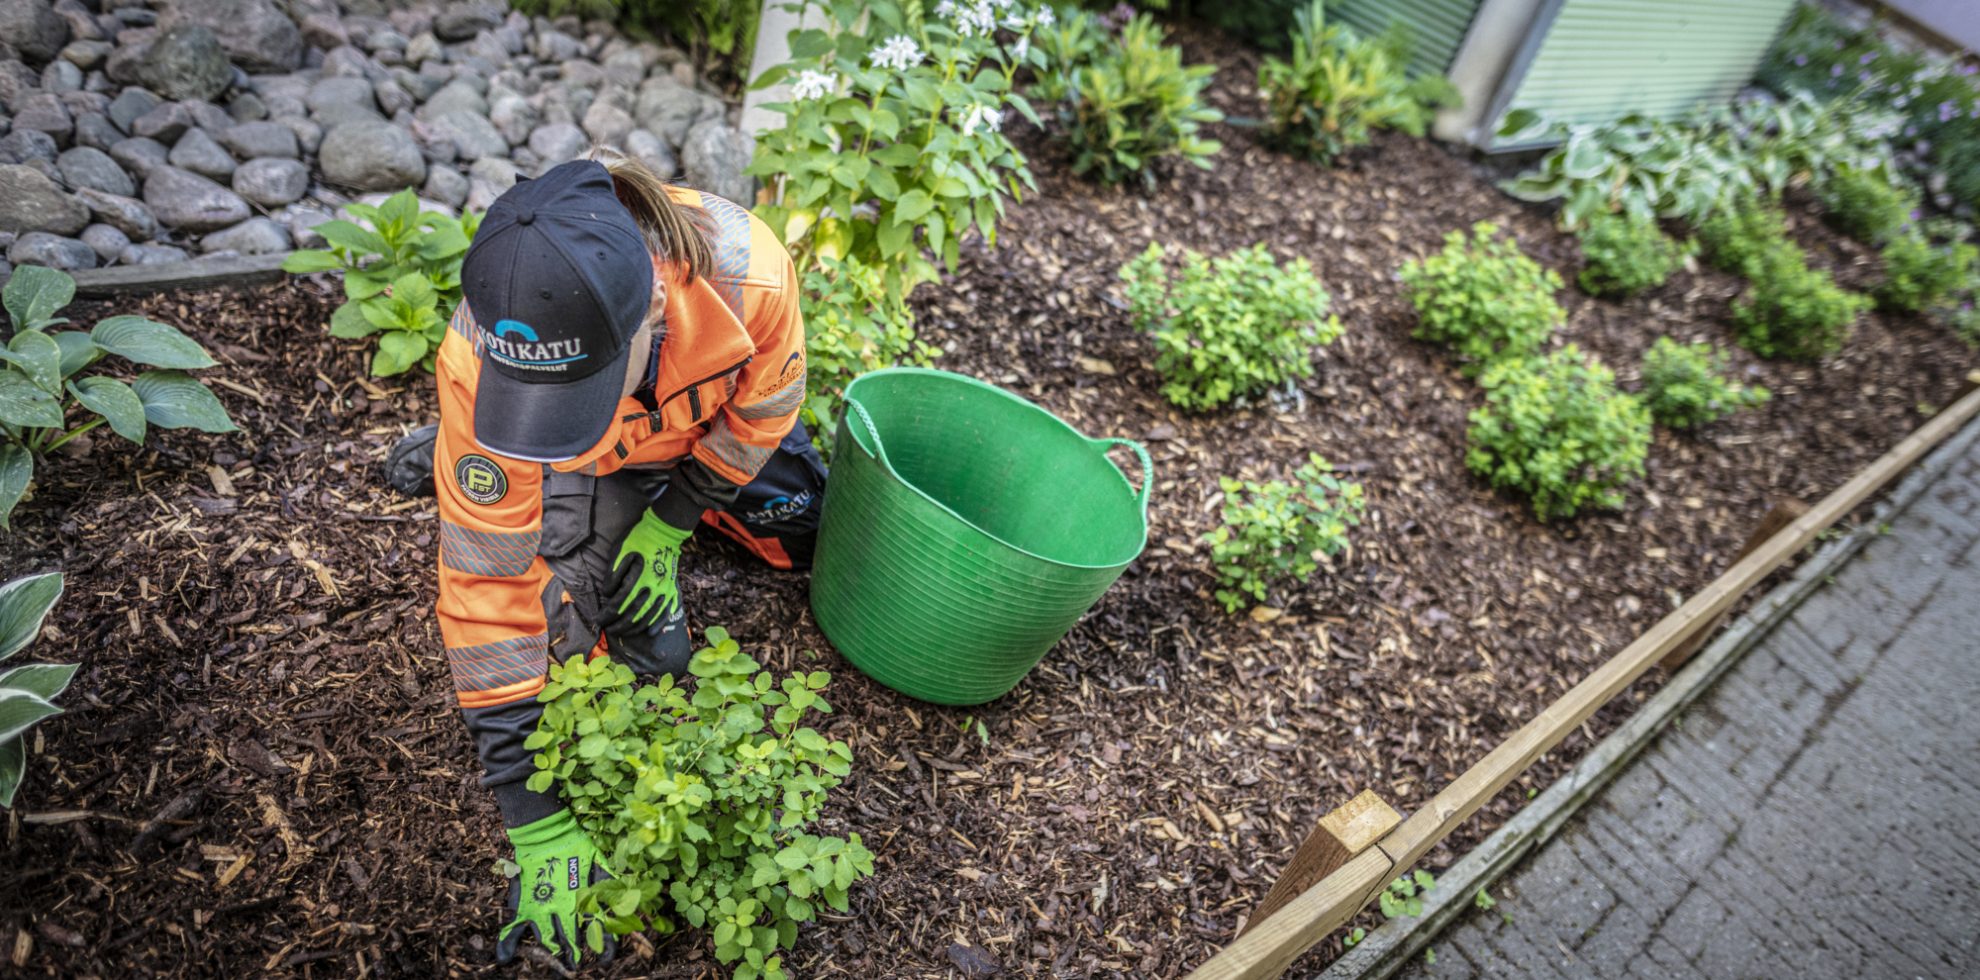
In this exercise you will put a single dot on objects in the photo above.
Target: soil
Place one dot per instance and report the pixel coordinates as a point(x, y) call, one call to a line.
point(261, 769)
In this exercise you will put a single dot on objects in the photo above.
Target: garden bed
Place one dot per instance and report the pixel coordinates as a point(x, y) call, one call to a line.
point(261, 667)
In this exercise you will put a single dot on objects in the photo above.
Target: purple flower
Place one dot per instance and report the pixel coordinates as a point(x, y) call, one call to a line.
point(1968, 69)
point(1800, 60)
point(1835, 71)
point(1947, 110)
point(1868, 57)
point(1863, 76)
point(1915, 214)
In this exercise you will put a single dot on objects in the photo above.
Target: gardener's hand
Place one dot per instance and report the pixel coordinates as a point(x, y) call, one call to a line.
point(647, 593)
point(557, 859)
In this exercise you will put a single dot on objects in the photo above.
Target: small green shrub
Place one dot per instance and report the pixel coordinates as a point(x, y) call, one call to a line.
point(42, 385)
point(1338, 88)
point(1273, 530)
point(402, 277)
point(1402, 899)
point(1623, 255)
point(1131, 102)
point(1740, 238)
point(1483, 298)
point(1919, 275)
point(1792, 311)
point(1685, 385)
point(852, 324)
point(1230, 327)
point(699, 802)
point(1555, 429)
point(27, 692)
point(1868, 205)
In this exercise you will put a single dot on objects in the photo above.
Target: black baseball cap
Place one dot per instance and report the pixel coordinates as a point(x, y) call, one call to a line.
point(558, 279)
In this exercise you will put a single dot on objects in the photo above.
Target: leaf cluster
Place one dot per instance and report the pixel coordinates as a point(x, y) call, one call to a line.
point(1919, 275)
point(702, 801)
point(1403, 896)
point(42, 381)
point(1273, 531)
point(27, 691)
point(1685, 386)
point(1483, 297)
point(1555, 429)
point(1623, 255)
point(853, 324)
point(1868, 205)
point(1792, 311)
point(1229, 327)
point(1337, 88)
point(402, 277)
point(1126, 102)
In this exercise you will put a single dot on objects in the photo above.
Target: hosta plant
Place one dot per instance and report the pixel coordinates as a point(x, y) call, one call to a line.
point(1129, 103)
point(47, 399)
point(1685, 385)
point(402, 277)
point(1622, 255)
point(27, 691)
point(702, 799)
point(1919, 275)
point(1792, 311)
point(1229, 327)
point(1274, 531)
point(1337, 88)
point(1482, 297)
point(1555, 430)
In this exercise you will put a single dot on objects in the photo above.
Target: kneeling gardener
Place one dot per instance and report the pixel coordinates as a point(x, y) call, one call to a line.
point(627, 363)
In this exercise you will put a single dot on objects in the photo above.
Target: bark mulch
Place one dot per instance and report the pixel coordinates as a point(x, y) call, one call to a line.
point(261, 770)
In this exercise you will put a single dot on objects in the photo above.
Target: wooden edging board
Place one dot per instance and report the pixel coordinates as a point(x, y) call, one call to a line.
point(1393, 945)
point(130, 280)
point(1267, 950)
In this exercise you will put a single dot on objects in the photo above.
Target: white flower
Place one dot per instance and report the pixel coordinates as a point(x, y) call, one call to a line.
point(812, 84)
point(1045, 17)
point(1015, 23)
point(947, 8)
point(899, 53)
point(990, 119)
point(976, 19)
point(1021, 48)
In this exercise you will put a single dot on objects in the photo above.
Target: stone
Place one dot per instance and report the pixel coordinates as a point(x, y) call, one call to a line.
point(249, 140)
point(132, 47)
point(371, 156)
point(302, 220)
point(132, 104)
point(487, 179)
point(208, 116)
point(53, 251)
point(669, 109)
point(255, 236)
point(715, 156)
point(108, 242)
point(126, 214)
point(256, 34)
point(62, 76)
point(87, 55)
point(16, 79)
point(447, 186)
point(198, 153)
point(139, 155)
point(557, 143)
point(190, 202)
point(272, 181)
point(513, 118)
point(44, 111)
point(654, 152)
point(153, 255)
point(94, 129)
point(89, 167)
point(246, 107)
point(462, 21)
point(309, 135)
point(606, 123)
point(473, 136)
point(422, 85)
point(423, 48)
point(185, 62)
point(29, 201)
point(582, 74)
point(165, 124)
point(627, 67)
point(32, 28)
point(393, 97)
point(26, 145)
point(378, 41)
point(556, 47)
point(351, 62)
point(324, 30)
point(81, 18)
point(335, 101)
point(456, 96)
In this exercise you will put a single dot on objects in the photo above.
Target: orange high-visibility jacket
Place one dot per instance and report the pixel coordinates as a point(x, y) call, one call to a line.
point(729, 385)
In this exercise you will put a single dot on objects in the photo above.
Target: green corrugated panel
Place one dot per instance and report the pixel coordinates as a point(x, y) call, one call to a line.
point(1436, 26)
point(1604, 58)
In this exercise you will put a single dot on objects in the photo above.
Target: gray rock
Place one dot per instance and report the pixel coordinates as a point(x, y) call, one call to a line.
point(487, 179)
point(472, 134)
point(185, 62)
point(208, 116)
point(423, 48)
point(255, 236)
point(302, 220)
point(351, 62)
point(378, 41)
point(153, 255)
point(272, 181)
point(126, 214)
point(165, 124)
point(654, 152)
point(371, 156)
point(45, 112)
point(249, 140)
point(27, 145)
point(247, 107)
point(714, 156)
point(53, 251)
point(132, 104)
point(140, 155)
point(135, 16)
point(582, 74)
point(275, 87)
point(87, 55)
point(447, 186)
point(81, 18)
point(62, 76)
point(335, 101)
point(132, 47)
point(557, 143)
point(607, 123)
point(393, 97)
point(31, 28)
point(257, 34)
point(87, 167)
point(556, 46)
point(513, 118)
point(324, 30)
point(308, 134)
point(422, 85)
point(669, 109)
point(462, 21)
point(29, 201)
point(95, 129)
point(627, 67)
point(459, 95)
point(16, 78)
point(198, 153)
point(107, 241)
point(189, 202)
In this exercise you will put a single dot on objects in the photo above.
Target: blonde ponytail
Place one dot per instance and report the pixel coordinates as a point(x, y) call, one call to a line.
point(673, 231)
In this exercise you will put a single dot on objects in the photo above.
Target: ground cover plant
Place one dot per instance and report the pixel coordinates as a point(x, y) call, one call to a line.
point(1793, 311)
point(1482, 297)
point(27, 691)
point(1125, 102)
point(1336, 88)
point(1740, 239)
point(1919, 275)
point(1555, 430)
point(1685, 385)
point(1868, 205)
point(43, 388)
point(1230, 327)
point(1275, 532)
point(1624, 254)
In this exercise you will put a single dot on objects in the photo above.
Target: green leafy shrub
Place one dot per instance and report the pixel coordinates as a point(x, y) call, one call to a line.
point(1273, 530)
point(1483, 297)
point(1685, 385)
point(1919, 275)
point(1966, 324)
point(853, 324)
point(1555, 429)
point(1338, 88)
point(1622, 255)
point(402, 277)
point(42, 383)
point(1739, 239)
point(701, 801)
point(1868, 205)
point(1793, 311)
point(27, 692)
point(1129, 102)
point(1230, 327)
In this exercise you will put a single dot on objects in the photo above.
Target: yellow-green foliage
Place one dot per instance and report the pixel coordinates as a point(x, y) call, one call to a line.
point(1555, 429)
point(1482, 297)
point(1919, 275)
point(1338, 88)
point(1623, 254)
point(1273, 530)
point(1870, 205)
point(1685, 386)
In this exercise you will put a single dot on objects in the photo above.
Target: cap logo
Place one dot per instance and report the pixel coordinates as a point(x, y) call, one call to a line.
point(479, 478)
point(516, 345)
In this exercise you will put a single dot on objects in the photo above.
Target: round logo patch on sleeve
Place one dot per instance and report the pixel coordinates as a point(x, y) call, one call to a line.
point(481, 479)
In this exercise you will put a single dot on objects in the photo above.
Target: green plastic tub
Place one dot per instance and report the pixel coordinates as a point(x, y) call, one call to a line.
point(965, 531)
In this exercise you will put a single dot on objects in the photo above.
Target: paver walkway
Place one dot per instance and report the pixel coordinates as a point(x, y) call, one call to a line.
point(1815, 815)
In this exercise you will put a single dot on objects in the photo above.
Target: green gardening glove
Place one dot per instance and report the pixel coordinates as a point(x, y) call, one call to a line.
point(557, 859)
point(651, 594)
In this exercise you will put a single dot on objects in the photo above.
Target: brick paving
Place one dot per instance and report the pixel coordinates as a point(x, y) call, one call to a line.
point(1815, 815)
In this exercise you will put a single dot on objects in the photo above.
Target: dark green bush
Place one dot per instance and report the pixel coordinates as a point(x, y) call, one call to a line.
point(1555, 429)
point(1338, 88)
point(1919, 275)
point(1685, 385)
point(1123, 104)
point(1739, 238)
point(1792, 311)
point(1868, 205)
point(1622, 254)
point(1483, 297)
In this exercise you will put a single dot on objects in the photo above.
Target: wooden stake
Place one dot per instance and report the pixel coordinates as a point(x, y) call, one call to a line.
point(1343, 833)
point(1783, 513)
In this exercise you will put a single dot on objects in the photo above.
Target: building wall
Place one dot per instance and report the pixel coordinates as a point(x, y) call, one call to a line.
point(1435, 26)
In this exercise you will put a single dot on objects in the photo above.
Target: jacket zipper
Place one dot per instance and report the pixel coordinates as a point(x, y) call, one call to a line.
point(693, 389)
